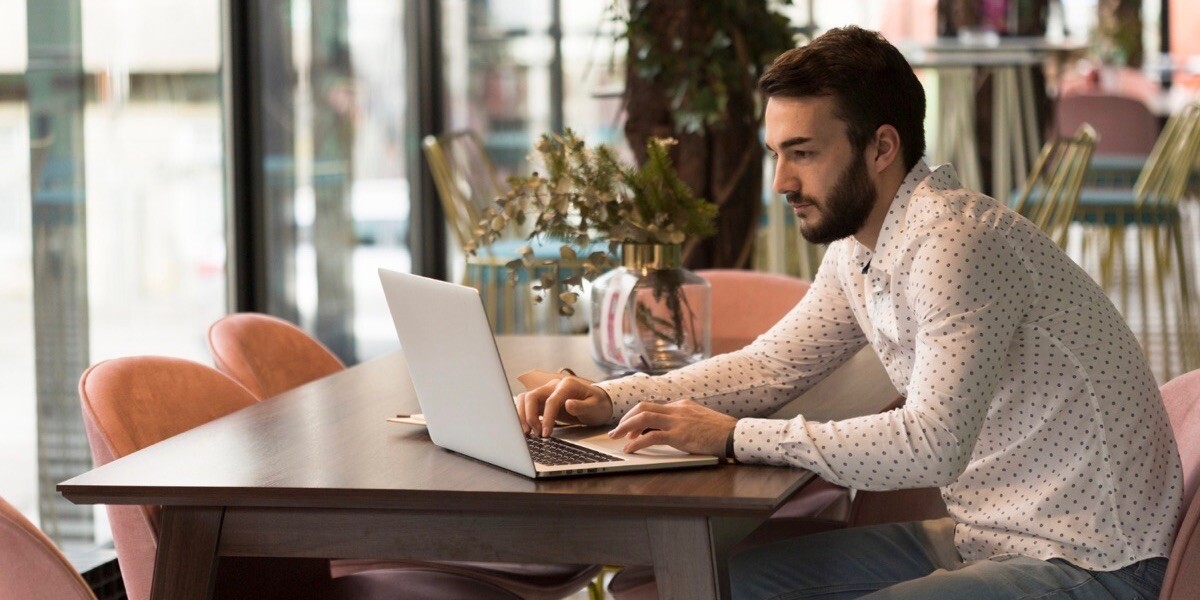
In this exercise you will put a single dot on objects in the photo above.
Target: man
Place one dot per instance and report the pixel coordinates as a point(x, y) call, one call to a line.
point(1029, 402)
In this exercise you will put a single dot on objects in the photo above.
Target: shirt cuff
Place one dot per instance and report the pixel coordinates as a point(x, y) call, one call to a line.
point(626, 392)
point(757, 441)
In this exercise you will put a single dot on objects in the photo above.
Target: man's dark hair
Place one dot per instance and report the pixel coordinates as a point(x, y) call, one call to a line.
point(870, 81)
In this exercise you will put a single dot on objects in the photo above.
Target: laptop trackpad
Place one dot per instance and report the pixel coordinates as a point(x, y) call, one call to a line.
point(598, 438)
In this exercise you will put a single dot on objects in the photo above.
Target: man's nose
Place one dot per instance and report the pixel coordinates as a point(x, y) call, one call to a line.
point(785, 181)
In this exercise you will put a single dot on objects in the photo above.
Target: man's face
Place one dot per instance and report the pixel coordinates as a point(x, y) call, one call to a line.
point(824, 180)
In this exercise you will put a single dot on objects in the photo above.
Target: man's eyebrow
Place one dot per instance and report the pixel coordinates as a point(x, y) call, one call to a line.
point(792, 141)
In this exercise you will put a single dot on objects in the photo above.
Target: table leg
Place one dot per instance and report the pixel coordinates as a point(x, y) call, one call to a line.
point(186, 565)
point(691, 554)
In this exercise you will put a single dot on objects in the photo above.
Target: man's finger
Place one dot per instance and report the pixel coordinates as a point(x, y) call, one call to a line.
point(642, 407)
point(647, 439)
point(533, 406)
point(521, 412)
point(565, 390)
point(583, 409)
point(639, 423)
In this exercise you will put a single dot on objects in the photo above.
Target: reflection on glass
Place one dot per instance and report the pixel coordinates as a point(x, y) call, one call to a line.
point(514, 70)
point(336, 197)
point(500, 61)
point(111, 217)
point(18, 411)
point(153, 154)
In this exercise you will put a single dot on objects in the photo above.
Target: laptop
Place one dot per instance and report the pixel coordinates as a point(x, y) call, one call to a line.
point(465, 397)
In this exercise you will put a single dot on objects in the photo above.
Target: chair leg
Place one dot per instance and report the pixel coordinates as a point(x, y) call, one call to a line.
point(1162, 272)
point(1144, 265)
point(595, 587)
point(1189, 346)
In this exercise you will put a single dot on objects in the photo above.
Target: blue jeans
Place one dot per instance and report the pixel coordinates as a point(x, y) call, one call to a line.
point(918, 561)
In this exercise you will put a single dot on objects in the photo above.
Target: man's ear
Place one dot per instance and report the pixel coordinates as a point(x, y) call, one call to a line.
point(887, 148)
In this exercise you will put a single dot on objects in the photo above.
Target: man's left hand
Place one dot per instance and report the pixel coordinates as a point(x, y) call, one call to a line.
point(682, 424)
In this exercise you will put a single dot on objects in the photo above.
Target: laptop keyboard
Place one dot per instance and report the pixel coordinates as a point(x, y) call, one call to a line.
point(553, 451)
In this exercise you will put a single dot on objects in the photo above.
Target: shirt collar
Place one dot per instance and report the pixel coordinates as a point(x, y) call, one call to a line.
point(917, 182)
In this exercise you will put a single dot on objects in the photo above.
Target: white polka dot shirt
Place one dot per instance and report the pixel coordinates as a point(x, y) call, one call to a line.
point(1029, 402)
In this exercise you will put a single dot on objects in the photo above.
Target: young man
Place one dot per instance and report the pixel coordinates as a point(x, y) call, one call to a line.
point(1029, 402)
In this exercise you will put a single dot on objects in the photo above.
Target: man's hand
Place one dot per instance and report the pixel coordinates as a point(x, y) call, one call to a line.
point(681, 424)
point(570, 399)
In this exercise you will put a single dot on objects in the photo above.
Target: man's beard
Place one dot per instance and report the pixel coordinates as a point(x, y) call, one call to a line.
point(844, 210)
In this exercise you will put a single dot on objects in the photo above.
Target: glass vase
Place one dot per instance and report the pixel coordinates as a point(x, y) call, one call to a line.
point(650, 314)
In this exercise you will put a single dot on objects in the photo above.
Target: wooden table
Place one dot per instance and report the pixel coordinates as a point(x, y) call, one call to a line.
point(317, 472)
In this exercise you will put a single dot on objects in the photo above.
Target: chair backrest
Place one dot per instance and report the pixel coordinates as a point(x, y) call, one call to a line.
point(268, 355)
point(466, 181)
point(131, 403)
point(1165, 176)
point(31, 566)
point(1125, 124)
point(745, 304)
point(1051, 192)
point(1182, 398)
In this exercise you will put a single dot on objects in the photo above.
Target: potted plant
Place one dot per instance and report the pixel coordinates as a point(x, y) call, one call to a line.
point(648, 312)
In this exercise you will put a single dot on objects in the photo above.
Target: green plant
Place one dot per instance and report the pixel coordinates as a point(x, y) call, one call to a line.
point(701, 53)
point(692, 68)
point(587, 196)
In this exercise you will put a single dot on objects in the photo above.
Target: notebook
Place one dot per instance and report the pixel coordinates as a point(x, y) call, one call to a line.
point(465, 397)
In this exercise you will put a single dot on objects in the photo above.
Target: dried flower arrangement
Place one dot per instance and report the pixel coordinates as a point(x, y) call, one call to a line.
point(588, 196)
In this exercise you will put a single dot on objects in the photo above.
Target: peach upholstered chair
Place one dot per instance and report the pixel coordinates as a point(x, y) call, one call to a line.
point(31, 566)
point(745, 304)
point(131, 403)
point(270, 356)
point(1182, 397)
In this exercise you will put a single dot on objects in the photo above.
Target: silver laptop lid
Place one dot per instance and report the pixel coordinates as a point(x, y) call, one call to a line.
point(455, 367)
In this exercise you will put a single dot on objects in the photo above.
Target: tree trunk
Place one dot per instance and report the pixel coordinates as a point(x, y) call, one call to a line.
point(722, 162)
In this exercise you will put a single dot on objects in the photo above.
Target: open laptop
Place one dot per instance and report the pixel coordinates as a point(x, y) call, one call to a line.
point(464, 393)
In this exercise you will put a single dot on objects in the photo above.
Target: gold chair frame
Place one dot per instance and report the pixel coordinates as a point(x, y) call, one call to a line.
point(1153, 214)
point(462, 192)
point(467, 183)
point(1050, 196)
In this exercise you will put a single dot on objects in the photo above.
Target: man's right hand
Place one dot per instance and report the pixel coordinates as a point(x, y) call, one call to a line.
point(571, 398)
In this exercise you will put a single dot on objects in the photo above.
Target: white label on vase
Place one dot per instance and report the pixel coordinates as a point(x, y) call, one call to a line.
point(613, 306)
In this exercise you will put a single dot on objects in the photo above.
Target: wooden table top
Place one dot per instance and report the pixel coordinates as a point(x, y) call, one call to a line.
point(328, 445)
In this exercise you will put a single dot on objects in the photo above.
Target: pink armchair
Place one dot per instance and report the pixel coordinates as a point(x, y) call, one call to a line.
point(31, 566)
point(131, 403)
